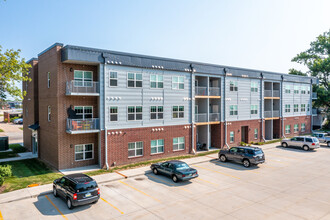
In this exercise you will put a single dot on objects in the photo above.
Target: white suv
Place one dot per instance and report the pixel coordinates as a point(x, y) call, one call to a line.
point(303, 142)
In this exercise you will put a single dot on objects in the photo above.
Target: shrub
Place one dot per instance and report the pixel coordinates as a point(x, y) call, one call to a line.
point(1, 180)
point(5, 171)
point(12, 119)
point(5, 120)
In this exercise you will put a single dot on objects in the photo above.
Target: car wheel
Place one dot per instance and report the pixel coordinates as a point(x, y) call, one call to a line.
point(246, 163)
point(175, 178)
point(328, 144)
point(223, 158)
point(155, 171)
point(54, 191)
point(69, 203)
point(306, 148)
point(284, 144)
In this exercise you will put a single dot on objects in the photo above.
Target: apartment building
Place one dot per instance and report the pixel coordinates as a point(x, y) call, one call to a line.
point(94, 106)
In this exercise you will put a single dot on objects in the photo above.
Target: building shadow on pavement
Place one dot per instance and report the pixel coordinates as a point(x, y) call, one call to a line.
point(161, 179)
point(232, 165)
point(296, 149)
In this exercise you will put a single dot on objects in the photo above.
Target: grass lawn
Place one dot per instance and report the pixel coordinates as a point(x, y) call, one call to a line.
point(21, 129)
point(2, 130)
point(26, 172)
point(17, 148)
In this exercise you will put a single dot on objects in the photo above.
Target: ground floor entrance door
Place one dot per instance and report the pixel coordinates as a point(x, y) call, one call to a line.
point(244, 134)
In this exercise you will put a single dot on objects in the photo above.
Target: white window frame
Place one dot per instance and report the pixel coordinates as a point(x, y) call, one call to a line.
point(110, 114)
point(134, 80)
point(295, 89)
point(179, 144)
point(254, 109)
point(256, 133)
point(294, 107)
point(303, 128)
point(287, 129)
point(296, 128)
point(113, 78)
point(84, 152)
point(303, 107)
point(233, 86)
point(308, 107)
point(83, 114)
point(231, 137)
point(48, 79)
point(135, 149)
point(84, 80)
point(308, 90)
point(233, 111)
point(177, 87)
point(157, 112)
point(158, 145)
point(303, 90)
point(49, 112)
point(157, 81)
point(287, 108)
point(178, 112)
point(287, 89)
point(254, 86)
point(135, 113)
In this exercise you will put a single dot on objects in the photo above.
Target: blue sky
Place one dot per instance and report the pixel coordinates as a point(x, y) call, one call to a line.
point(260, 34)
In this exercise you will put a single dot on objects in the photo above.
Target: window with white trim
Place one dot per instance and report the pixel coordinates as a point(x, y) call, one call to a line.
point(84, 112)
point(84, 152)
point(48, 79)
point(113, 79)
point(303, 127)
point(135, 149)
point(308, 90)
point(254, 109)
point(156, 81)
point(232, 137)
point(287, 108)
point(177, 82)
point(295, 108)
point(287, 89)
point(233, 86)
point(256, 133)
point(178, 143)
point(49, 111)
point(134, 80)
point(303, 108)
point(83, 78)
point(178, 111)
point(296, 89)
point(308, 108)
point(134, 113)
point(254, 86)
point(233, 110)
point(156, 112)
point(287, 129)
point(157, 146)
point(113, 113)
point(295, 128)
point(303, 90)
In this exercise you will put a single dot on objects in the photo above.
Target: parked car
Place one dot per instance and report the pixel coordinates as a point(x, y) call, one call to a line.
point(323, 138)
point(18, 121)
point(76, 189)
point(304, 142)
point(175, 169)
point(244, 155)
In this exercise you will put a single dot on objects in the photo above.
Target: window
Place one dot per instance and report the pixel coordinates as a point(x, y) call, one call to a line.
point(83, 78)
point(178, 143)
point(233, 110)
point(296, 89)
point(308, 108)
point(49, 113)
point(231, 137)
point(296, 128)
point(84, 152)
point(254, 109)
point(303, 108)
point(178, 111)
point(256, 133)
point(233, 86)
point(177, 82)
point(308, 90)
point(48, 79)
point(157, 146)
point(134, 80)
point(134, 113)
point(287, 89)
point(303, 90)
point(254, 86)
point(287, 108)
point(113, 113)
point(135, 149)
point(303, 127)
point(295, 108)
point(113, 80)
point(156, 112)
point(287, 129)
point(84, 111)
point(156, 81)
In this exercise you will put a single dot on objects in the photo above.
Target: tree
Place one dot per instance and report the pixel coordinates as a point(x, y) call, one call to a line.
point(13, 70)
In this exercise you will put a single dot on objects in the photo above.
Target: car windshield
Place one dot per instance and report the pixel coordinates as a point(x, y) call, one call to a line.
point(315, 140)
point(258, 152)
point(181, 166)
point(86, 186)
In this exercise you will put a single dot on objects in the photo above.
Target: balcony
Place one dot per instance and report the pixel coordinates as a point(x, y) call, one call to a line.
point(203, 93)
point(272, 114)
point(200, 91)
point(214, 91)
point(201, 117)
point(272, 93)
point(314, 95)
point(276, 93)
point(81, 126)
point(276, 113)
point(268, 93)
point(214, 117)
point(268, 114)
point(86, 88)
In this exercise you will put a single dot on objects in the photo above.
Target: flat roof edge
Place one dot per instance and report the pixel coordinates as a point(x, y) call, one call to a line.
point(54, 45)
point(32, 59)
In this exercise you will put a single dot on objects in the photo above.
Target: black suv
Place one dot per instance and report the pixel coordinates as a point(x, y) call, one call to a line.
point(76, 189)
point(245, 155)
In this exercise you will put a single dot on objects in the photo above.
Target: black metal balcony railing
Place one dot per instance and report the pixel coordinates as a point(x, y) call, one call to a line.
point(276, 113)
point(268, 93)
point(276, 93)
point(214, 117)
point(272, 93)
point(268, 114)
point(214, 91)
point(75, 87)
point(201, 91)
point(82, 125)
point(201, 117)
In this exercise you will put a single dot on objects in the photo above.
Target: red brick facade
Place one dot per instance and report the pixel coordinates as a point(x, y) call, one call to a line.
point(298, 120)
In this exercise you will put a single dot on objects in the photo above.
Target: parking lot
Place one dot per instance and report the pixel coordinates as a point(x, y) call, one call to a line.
point(292, 184)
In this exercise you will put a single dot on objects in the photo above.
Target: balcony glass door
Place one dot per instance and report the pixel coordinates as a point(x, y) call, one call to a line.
point(84, 112)
point(83, 78)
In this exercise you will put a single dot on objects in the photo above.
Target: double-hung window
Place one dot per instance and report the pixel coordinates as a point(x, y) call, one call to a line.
point(178, 111)
point(49, 110)
point(157, 146)
point(254, 86)
point(287, 129)
point(178, 143)
point(303, 127)
point(295, 108)
point(177, 82)
point(156, 112)
point(296, 128)
point(84, 112)
point(232, 137)
point(134, 80)
point(113, 79)
point(83, 78)
point(113, 113)
point(308, 108)
point(287, 89)
point(308, 90)
point(134, 113)
point(303, 108)
point(287, 108)
point(233, 110)
point(156, 81)
point(135, 149)
point(303, 90)
point(296, 89)
point(48, 80)
point(233, 86)
point(256, 133)
point(254, 109)
point(84, 152)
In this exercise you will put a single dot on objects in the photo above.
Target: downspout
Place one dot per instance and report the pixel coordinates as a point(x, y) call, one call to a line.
point(105, 127)
point(281, 103)
point(224, 106)
point(192, 111)
point(310, 105)
point(262, 106)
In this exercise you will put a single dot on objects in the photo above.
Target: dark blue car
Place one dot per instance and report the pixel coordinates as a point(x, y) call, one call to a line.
point(244, 155)
point(175, 169)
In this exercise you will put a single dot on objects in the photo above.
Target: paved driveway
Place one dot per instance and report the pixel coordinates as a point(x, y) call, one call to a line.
point(12, 131)
point(292, 184)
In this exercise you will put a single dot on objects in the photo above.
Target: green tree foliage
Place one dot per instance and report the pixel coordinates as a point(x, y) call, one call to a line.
point(13, 70)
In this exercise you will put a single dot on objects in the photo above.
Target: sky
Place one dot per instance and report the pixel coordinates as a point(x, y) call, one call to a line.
point(256, 34)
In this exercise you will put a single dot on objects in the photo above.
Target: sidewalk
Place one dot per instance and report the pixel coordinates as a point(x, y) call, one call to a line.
point(22, 156)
